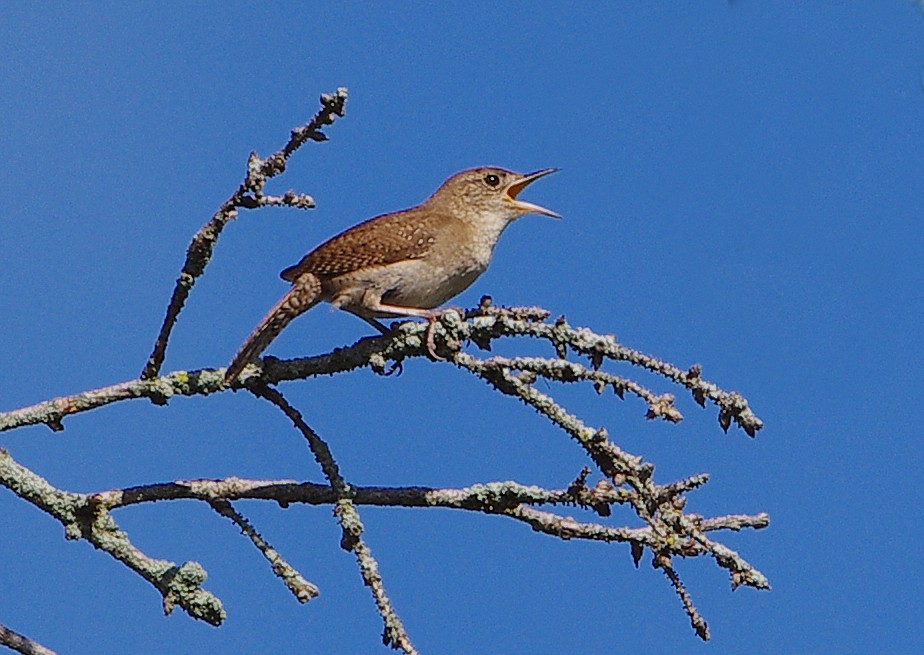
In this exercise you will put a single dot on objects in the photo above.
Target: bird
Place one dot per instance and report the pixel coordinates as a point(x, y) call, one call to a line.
point(404, 263)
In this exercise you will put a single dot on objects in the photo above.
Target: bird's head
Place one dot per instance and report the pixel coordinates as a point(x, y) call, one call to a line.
point(490, 191)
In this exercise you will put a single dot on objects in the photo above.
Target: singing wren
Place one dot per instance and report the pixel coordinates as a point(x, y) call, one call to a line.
point(405, 263)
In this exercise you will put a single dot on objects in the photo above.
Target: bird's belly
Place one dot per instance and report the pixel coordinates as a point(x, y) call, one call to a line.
point(410, 283)
point(429, 291)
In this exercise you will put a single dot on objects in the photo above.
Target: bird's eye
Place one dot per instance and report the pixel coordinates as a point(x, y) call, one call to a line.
point(491, 179)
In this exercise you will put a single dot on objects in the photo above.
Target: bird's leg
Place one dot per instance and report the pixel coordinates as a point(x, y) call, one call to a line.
point(397, 366)
point(378, 325)
point(431, 342)
point(432, 316)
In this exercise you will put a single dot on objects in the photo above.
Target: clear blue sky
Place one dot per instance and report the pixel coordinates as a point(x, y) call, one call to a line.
point(742, 186)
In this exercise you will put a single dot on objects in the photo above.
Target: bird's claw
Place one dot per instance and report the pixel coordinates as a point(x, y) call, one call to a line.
point(431, 341)
point(432, 320)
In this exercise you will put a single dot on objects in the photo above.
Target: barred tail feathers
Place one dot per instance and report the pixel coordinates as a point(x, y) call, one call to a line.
point(304, 294)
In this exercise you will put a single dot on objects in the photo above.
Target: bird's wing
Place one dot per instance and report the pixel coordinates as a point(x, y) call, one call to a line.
point(381, 240)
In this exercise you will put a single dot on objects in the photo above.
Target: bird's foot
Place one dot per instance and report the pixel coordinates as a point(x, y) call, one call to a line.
point(433, 317)
point(431, 341)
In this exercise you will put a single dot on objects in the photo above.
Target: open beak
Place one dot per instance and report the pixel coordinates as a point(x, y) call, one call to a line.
point(527, 207)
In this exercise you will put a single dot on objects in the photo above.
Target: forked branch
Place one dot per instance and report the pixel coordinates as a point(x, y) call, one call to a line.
point(661, 527)
point(249, 195)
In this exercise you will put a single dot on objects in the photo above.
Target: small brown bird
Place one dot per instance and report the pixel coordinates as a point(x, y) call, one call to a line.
point(404, 263)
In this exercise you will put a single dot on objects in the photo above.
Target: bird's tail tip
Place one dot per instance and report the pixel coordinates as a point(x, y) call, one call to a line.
point(303, 295)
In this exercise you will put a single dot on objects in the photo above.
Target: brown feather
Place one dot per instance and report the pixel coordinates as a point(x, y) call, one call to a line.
point(304, 294)
point(408, 234)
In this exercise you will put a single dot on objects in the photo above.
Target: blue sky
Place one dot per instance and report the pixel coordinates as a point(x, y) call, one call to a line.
point(741, 187)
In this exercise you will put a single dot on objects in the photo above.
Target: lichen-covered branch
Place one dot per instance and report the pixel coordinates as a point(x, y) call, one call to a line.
point(160, 390)
point(670, 532)
point(696, 620)
point(408, 341)
point(666, 531)
point(249, 195)
point(562, 370)
point(489, 498)
point(293, 580)
point(597, 347)
point(351, 526)
point(509, 499)
point(577, 355)
point(83, 518)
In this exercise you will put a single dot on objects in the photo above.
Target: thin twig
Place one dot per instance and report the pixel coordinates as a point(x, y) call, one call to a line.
point(562, 370)
point(732, 406)
point(394, 634)
point(696, 619)
point(21, 643)
point(248, 195)
point(296, 583)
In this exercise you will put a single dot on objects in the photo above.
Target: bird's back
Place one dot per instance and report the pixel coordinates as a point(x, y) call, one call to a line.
point(385, 239)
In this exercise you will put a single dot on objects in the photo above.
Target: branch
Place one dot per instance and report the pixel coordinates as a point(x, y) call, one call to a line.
point(249, 195)
point(666, 530)
point(670, 531)
point(598, 347)
point(562, 370)
point(296, 583)
point(83, 518)
point(489, 498)
point(21, 643)
point(508, 499)
point(394, 634)
point(407, 341)
point(696, 620)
